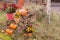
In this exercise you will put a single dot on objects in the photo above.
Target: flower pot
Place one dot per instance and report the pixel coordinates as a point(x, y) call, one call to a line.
point(28, 34)
point(10, 16)
point(16, 20)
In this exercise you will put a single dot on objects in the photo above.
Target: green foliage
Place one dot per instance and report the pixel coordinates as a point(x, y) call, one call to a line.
point(5, 37)
point(8, 9)
point(2, 17)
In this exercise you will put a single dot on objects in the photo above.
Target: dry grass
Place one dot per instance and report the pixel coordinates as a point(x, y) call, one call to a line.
point(43, 30)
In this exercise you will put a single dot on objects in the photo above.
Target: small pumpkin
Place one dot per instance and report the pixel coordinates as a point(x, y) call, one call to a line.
point(13, 26)
point(23, 12)
point(8, 31)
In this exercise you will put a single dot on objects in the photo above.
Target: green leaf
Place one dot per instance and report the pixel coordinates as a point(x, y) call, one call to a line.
point(5, 37)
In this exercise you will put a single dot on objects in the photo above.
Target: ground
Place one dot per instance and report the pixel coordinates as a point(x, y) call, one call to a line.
point(45, 31)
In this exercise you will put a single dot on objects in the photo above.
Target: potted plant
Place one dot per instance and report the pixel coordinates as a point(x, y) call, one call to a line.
point(28, 31)
point(10, 12)
point(16, 18)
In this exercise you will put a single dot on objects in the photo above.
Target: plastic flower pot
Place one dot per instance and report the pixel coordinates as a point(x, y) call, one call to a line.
point(10, 16)
point(16, 20)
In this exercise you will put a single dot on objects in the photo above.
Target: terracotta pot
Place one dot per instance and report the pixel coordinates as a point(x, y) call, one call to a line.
point(28, 35)
point(10, 16)
point(16, 20)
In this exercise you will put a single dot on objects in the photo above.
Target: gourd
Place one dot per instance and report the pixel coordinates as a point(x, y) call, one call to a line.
point(13, 26)
point(8, 31)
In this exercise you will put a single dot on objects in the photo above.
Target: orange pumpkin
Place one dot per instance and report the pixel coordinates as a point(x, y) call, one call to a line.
point(13, 26)
point(23, 12)
point(8, 31)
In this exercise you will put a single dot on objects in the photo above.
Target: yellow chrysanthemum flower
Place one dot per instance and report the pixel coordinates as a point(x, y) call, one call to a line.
point(18, 13)
point(17, 16)
point(29, 29)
